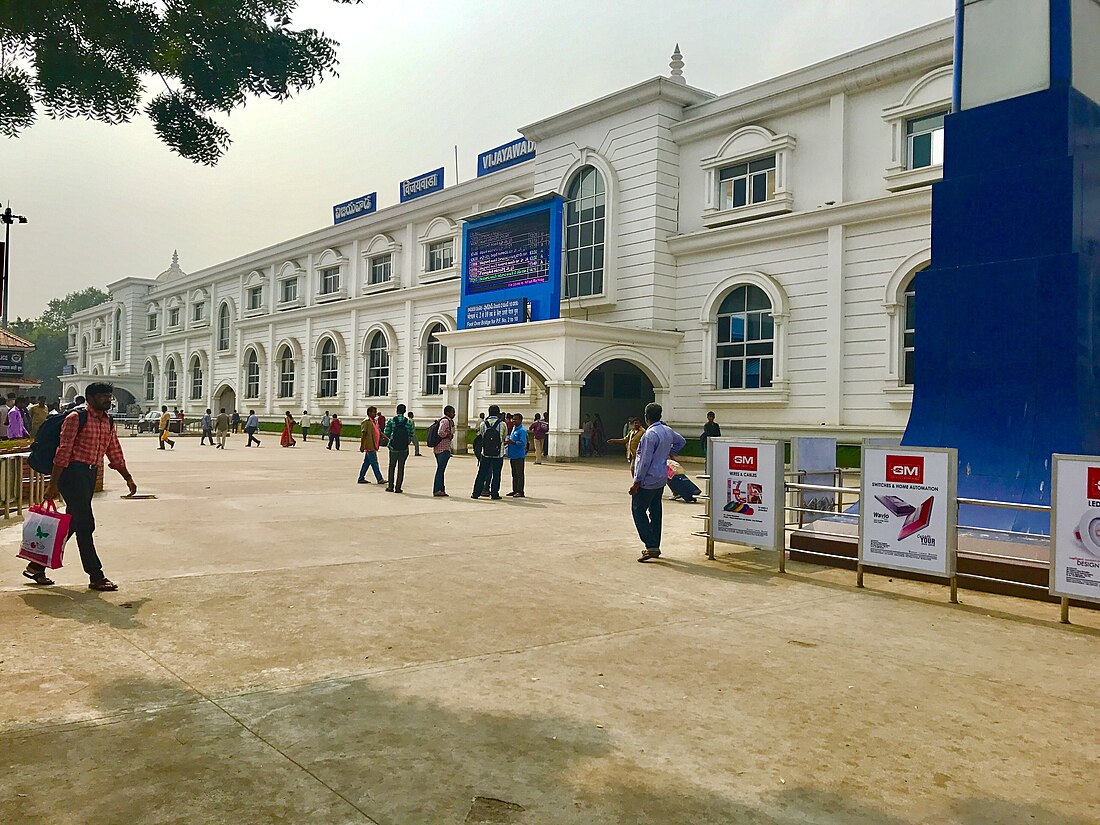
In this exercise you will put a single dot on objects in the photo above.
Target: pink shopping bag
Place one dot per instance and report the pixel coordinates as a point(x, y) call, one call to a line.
point(45, 531)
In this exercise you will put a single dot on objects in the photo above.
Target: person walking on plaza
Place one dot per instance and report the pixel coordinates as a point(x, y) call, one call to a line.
point(207, 424)
point(650, 476)
point(326, 420)
point(164, 425)
point(538, 431)
point(517, 455)
point(399, 434)
point(710, 430)
point(236, 422)
point(631, 439)
point(75, 464)
point(16, 424)
point(586, 436)
point(304, 421)
point(287, 439)
point(443, 447)
point(334, 427)
point(415, 436)
point(493, 434)
point(221, 428)
point(251, 425)
point(369, 436)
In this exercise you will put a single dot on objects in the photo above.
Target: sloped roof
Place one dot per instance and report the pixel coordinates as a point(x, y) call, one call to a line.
point(12, 341)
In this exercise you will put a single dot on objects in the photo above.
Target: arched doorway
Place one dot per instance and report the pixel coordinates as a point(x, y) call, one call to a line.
point(225, 398)
point(124, 400)
point(613, 393)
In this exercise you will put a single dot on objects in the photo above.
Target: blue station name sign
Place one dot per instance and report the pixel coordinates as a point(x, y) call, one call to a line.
point(504, 156)
point(496, 313)
point(421, 185)
point(355, 208)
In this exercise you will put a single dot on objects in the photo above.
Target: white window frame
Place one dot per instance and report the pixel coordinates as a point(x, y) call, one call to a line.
point(930, 95)
point(149, 381)
point(196, 376)
point(446, 254)
point(171, 380)
point(173, 317)
point(509, 380)
point(327, 261)
point(742, 361)
point(116, 338)
point(285, 285)
point(748, 144)
point(328, 376)
point(435, 357)
point(255, 297)
point(97, 333)
point(329, 281)
point(894, 303)
point(252, 376)
point(380, 270)
point(287, 385)
point(152, 322)
point(378, 365)
point(380, 246)
point(583, 245)
point(289, 272)
point(439, 232)
point(198, 314)
point(225, 312)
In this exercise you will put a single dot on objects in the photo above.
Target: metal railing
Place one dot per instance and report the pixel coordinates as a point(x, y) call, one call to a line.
point(20, 486)
point(794, 489)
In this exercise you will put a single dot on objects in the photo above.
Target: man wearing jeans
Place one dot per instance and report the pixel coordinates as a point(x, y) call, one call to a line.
point(445, 431)
point(75, 463)
point(650, 476)
point(369, 436)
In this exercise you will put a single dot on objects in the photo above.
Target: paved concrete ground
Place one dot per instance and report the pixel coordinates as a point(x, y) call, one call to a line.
point(290, 647)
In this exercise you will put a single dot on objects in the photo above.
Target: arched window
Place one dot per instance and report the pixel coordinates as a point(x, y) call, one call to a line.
point(252, 376)
point(286, 373)
point(746, 340)
point(378, 366)
point(909, 329)
point(170, 372)
point(84, 354)
point(196, 378)
point(223, 328)
point(435, 363)
point(585, 204)
point(329, 384)
point(150, 382)
point(117, 355)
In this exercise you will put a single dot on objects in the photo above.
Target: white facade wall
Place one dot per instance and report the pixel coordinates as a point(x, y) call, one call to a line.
point(847, 228)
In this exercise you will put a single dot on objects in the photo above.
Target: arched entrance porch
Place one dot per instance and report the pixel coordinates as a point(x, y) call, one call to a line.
point(124, 400)
point(613, 393)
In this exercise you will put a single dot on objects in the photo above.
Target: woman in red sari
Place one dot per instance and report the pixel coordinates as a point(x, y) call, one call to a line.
point(288, 431)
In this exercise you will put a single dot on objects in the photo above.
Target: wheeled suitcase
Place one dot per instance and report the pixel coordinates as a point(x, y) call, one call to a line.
point(684, 487)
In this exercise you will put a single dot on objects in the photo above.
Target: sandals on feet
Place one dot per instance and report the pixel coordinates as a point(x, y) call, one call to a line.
point(103, 585)
point(38, 578)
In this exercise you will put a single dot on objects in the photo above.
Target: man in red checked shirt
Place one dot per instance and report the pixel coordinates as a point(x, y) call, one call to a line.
point(73, 476)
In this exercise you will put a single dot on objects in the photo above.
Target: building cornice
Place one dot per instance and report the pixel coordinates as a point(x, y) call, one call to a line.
point(912, 53)
point(648, 91)
point(709, 240)
point(568, 329)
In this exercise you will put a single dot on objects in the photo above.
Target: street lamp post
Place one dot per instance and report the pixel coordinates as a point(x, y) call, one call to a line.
point(8, 218)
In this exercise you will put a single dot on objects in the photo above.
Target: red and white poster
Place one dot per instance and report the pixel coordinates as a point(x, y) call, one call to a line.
point(746, 485)
point(908, 511)
point(1075, 527)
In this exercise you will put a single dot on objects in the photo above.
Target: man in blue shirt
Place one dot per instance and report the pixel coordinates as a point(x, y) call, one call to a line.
point(650, 476)
point(517, 454)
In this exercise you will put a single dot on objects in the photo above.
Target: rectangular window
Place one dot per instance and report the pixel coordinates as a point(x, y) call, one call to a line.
point(286, 378)
point(909, 335)
point(378, 372)
point(509, 380)
point(173, 317)
point(925, 141)
point(381, 269)
point(289, 291)
point(150, 326)
point(746, 183)
point(330, 280)
point(441, 255)
point(99, 335)
point(256, 297)
point(198, 311)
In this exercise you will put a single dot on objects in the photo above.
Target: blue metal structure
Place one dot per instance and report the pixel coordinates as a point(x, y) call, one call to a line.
point(1007, 362)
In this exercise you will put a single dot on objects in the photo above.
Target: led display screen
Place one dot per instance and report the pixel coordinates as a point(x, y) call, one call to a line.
point(510, 253)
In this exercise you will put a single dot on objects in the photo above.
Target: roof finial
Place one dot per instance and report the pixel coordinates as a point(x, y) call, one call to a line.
point(175, 259)
point(677, 66)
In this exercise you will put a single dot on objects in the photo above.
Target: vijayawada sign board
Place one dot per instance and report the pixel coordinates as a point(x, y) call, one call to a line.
point(907, 509)
point(746, 492)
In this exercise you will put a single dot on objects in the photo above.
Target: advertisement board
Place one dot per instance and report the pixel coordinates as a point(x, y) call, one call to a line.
point(908, 510)
point(746, 492)
point(1075, 527)
point(511, 260)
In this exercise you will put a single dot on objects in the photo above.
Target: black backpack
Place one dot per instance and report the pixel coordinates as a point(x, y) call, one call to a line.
point(48, 439)
point(490, 442)
point(433, 434)
point(400, 438)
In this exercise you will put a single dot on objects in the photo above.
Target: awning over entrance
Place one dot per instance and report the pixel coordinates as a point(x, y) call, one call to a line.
point(562, 353)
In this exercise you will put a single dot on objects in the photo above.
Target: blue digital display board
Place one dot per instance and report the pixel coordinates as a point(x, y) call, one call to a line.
point(512, 257)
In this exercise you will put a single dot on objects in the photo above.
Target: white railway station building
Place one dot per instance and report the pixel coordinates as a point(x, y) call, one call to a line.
point(748, 253)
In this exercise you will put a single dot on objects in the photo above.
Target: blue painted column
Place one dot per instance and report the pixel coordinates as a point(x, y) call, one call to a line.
point(1008, 316)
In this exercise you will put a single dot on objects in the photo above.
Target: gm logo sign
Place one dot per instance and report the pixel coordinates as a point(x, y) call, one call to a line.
point(1093, 489)
point(907, 469)
point(743, 458)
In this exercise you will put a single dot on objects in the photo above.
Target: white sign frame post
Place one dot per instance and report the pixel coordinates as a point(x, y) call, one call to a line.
point(763, 525)
point(922, 474)
point(1074, 546)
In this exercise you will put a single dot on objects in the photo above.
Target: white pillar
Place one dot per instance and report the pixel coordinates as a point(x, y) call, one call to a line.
point(458, 396)
point(565, 416)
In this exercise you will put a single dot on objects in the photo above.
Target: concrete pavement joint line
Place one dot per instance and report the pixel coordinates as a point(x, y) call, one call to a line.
point(239, 722)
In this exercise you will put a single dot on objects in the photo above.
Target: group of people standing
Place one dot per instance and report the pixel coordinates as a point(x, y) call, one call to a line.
point(19, 419)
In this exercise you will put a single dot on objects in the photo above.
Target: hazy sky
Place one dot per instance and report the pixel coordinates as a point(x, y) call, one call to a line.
point(416, 78)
